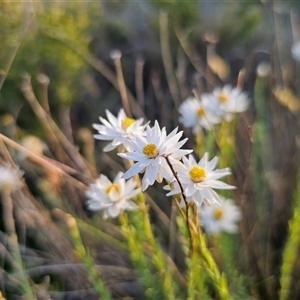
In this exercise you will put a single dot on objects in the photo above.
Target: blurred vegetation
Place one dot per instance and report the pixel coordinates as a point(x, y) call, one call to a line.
point(58, 58)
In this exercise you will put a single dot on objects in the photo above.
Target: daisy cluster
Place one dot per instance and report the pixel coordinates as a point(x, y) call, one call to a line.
point(212, 108)
point(157, 155)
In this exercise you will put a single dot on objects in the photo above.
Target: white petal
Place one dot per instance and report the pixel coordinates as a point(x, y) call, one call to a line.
point(171, 141)
point(180, 153)
point(139, 144)
point(105, 123)
point(218, 173)
point(151, 173)
point(198, 198)
point(109, 147)
point(212, 164)
point(136, 168)
point(216, 184)
point(121, 114)
point(190, 190)
point(129, 205)
point(118, 177)
point(192, 160)
point(94, 205)
point(132, 156)
point(165, 171)
point(103, 181)
point(145, 183)
point(102, 137)
point(114, 195)
point(113, 211)
point(186, 161)
point(133, 193)
point(207, 195)
point(129, 186)
point(118, 141)
point(203, 161)
point(111, 118)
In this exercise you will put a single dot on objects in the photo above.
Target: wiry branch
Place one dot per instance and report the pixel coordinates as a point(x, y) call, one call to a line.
point(184, 199)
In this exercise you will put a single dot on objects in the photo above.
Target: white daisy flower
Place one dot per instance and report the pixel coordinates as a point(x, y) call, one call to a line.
point(296, 51)
point(230, 100)
point(10, 178)
point(112, 197)
point(150, 154)
point(216, 218)
point(200, 179)
point(197, 114)
point(119, 130)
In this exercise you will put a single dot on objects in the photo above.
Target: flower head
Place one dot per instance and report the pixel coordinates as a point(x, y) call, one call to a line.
point(200, 179)
point(10, 178)
point(198, 114)
point(112, 197)
point(119, 130)
point(220, 217)
point(230, 100)
point(150, 154)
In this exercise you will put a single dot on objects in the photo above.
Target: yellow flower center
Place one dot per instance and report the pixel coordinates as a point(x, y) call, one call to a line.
point(127, 122)
point(223, 98)
point(114, 186)
point(218, 213)
point(200, 112)
point(197, 174)
point(150, 150)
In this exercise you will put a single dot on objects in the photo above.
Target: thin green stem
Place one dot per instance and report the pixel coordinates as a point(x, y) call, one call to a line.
point(184, 199)
point(86, 258)
point(12, 245)
point(291, 253)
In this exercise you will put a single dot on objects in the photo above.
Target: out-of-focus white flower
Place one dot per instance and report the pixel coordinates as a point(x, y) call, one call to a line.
point(10, 178)
point(112, 197)
point(150, 153)
point(33, 144)
point(200, 179)
point(197, 114)
point(220, 217)
point(230, 100)
point(263, 69)
point(119, 130)
point(296, 51)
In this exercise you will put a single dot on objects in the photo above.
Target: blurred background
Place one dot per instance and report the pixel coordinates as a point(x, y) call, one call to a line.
point(69, 59)
point(72, 43)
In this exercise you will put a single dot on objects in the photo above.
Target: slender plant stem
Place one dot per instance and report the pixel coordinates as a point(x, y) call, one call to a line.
point(53, 129)
point(116, 56)
point(167, 58)
point(184, 199)
point(139, 68)
point(12, 245)
point(45, 162)
point(93, 273)
point(100, 66)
